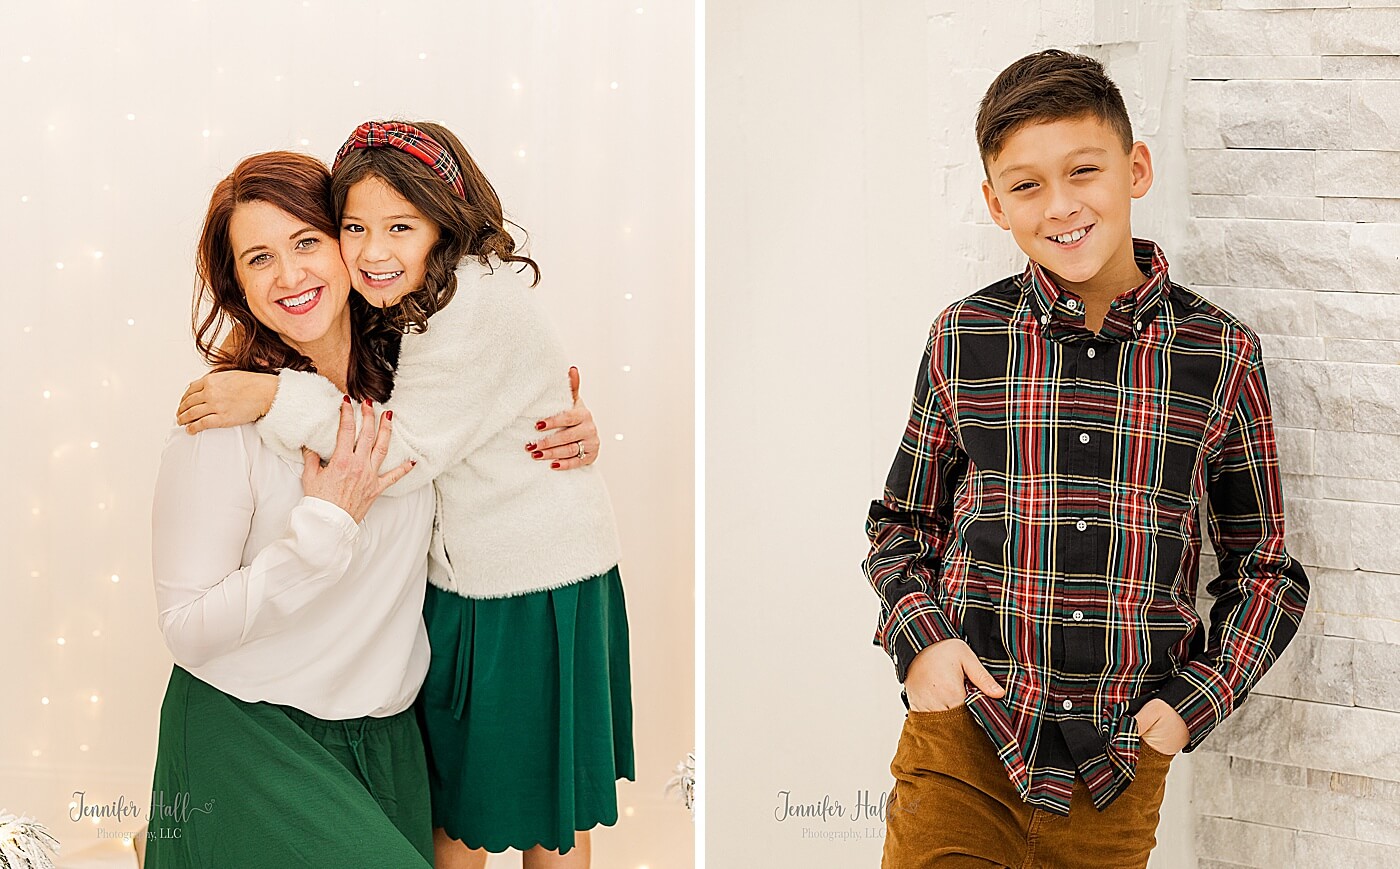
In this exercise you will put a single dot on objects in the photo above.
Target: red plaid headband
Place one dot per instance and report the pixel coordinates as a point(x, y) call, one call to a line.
point(410, 140)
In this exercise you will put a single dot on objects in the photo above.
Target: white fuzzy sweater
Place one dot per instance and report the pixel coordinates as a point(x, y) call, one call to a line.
point(466, 397)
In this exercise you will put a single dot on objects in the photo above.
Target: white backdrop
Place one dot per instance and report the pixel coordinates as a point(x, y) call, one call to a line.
point(123, 117)
point(843, 213)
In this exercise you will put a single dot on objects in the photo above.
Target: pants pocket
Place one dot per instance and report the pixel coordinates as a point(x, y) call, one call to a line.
point(923, 737)
point(1152, 754)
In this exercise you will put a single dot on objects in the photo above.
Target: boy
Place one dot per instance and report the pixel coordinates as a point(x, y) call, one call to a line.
point(1037, 540)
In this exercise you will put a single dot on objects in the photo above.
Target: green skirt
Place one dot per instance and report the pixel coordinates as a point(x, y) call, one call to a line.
point(527, 713)
point(256, 784)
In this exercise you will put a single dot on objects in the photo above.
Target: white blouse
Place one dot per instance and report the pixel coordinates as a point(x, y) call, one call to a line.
point(271, 595)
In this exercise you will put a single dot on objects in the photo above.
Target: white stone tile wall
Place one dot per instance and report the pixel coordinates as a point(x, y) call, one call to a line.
point(1292, 131)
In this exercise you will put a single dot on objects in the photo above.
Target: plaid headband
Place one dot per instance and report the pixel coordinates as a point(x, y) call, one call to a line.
point(410, 140)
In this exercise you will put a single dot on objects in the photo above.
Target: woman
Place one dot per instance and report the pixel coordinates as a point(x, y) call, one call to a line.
point(289, 594)
point(527, 705)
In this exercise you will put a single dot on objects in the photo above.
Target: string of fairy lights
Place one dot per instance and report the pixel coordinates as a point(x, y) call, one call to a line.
point(66, 643)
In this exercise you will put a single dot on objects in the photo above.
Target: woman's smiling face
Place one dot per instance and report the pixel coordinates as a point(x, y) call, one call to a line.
point(290, 272)
point(385, 241)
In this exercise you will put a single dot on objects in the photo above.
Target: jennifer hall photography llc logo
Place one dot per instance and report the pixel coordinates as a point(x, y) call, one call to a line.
point(829, 818)
point(164, 816)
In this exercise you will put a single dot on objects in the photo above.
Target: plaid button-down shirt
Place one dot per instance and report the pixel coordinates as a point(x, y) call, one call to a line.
point(1043, 508)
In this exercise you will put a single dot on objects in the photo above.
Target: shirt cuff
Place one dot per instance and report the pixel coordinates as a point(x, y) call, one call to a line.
point(338, 523)
point(304, 412)
point(279, 415)
point(916, 622)
point(1201, 696)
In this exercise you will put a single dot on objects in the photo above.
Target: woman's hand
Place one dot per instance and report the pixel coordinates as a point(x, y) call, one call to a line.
point(351, 479)
point(575, 427)
point(222, 399)
point(1161, 727)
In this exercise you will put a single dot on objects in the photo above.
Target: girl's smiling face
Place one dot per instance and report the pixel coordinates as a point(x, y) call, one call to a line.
point(384, 241)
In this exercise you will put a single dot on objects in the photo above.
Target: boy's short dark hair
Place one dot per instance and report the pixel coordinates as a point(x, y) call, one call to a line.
point(1050, 85)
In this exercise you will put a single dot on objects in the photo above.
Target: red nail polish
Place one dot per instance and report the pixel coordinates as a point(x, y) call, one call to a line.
point(554, 464)
point(539, 426)
point(347, 399)
point(413, 462)
point(529, 446)
point(537, 454)
point(388, 414)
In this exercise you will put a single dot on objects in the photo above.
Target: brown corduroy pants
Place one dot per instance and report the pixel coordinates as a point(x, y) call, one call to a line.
point(953, 806)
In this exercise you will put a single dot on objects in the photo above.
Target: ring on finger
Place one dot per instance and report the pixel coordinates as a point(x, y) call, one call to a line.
point(581, 451)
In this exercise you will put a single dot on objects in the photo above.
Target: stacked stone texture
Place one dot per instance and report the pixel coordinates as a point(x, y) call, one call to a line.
point(1293, 151)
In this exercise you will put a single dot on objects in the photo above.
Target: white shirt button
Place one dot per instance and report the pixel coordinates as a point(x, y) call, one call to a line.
point(1067, 705)
point(1081, 525)
point(1138, 325)
point(1090, 351)
point(1045, 318)
point(1071, 304)
point(1078, 616)
point(1083, 437)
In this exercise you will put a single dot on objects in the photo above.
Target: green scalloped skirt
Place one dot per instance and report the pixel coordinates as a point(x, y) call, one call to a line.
point(526, 713)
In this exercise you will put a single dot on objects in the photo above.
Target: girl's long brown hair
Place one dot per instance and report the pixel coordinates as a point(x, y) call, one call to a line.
point(471, 226)
point(225, 330)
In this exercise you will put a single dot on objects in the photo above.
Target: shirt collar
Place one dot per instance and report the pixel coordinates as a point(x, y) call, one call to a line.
point(1136, 305)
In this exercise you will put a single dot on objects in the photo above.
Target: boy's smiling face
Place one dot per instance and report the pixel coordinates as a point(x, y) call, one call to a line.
point(1065, 188)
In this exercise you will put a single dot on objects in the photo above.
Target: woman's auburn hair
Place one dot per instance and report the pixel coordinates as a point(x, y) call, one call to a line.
point(228, 335)
point(470, 226)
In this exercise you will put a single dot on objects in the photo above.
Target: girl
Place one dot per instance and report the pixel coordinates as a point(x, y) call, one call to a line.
point(526, 709)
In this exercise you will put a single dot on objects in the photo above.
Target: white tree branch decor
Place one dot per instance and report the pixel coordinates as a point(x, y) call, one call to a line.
point(25, 844)
point(684, 782)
